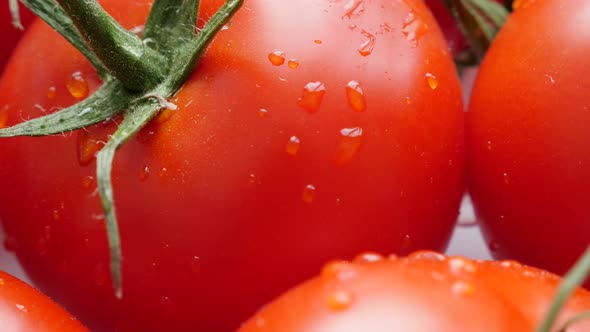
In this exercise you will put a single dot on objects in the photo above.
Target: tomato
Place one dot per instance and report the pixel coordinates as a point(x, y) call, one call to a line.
point(11, 35)
point(424, 292)
point(294, 142)
point(529, 145)
point(23, 308)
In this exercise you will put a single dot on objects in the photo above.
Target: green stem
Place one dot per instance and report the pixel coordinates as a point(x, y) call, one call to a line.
point(124, 54)
point(572, 280)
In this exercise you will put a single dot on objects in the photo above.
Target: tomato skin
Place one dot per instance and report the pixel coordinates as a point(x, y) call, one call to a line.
point(424, 292)
point(529, 145)
point(223, 207)
point(23, 308)
point(11, 35)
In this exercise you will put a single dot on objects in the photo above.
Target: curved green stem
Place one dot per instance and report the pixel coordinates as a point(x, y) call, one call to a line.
point(124, 54)
point(572, 280)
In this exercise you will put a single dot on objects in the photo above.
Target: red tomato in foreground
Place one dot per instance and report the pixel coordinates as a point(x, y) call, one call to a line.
point(528, 136)
point(310, 130)
point(422, 293)
point(11, 35)
point(23, 309)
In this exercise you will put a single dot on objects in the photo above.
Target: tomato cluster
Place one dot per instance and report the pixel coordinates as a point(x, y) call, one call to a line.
point(310, 130)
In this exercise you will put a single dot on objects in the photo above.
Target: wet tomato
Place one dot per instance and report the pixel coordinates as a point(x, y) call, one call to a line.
point(23, 308)
point(529, 145)
point(424, 292)
point(310, 130)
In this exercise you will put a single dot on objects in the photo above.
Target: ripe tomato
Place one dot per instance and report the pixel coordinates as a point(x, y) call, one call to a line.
point(424, 292)
point(24, 308)
point(11, 35)
point(310, 130)
point(529, 145)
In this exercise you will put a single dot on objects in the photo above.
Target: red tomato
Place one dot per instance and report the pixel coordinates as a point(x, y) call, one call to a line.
point(11, 35)
point(310, 130)
point(529, 143)
point(23, 308)
point(422, 293)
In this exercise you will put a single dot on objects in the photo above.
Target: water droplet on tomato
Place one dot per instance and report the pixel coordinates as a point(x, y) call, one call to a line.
point(352, 27)
point(277, 58)
point(292, 146)
point(489, 145)
point(77, 86)
point(366, 48)
point(318, 41)
point(167, 306)
point(2, 283)
point(3, 117)
point(512, 264)
point(163, 116)
point(47, 231)
point(313, 94)
point(90, 140)
point(309, 193)
point(353, 8)
point(339, 300)
point(263, 112)
point(162, 172)
point(195, 265)
point(414, 28)
point(521, 4)
point(506, 178)
point(406, 242)
point(252, 179)
point(427, 255)
point(55, 214)
point(408, 100)
point(293, 63)
point(51, 92)
point(432, 81)
point(463, 288)
point(368, 257)
point(10, 243)
point(144, 173)
point(21, 307)
point(339, 270)
point(88, 182)
point(385, 27)
point(460, 265)
point(356, 96)
point(350, 143)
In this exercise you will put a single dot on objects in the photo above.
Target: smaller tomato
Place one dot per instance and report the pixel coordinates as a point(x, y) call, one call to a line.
point(23, 308)
point(426, 291)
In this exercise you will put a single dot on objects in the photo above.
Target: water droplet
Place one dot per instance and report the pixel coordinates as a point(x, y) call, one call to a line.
point(356, 96)
point(292, 146)
point(366, 48)
point(277, 58)
point(350, 143)
point(252, 179)
point(385, 27)
point(309, 193)
point(318, 41)
point(512, 264)
point(432, 81)
point(461, 265)
point(51, 92)
point(22, 308)
point(10, 243)
point(489, 145)
point(47, 231)
point(91, 139)
point(368, 257)
point(339, 300)
point(313, 94)
point(162, 172)
point(263, 112)
point(427, 255)
point(414, 28)
point(195, 265)
point(352, 27)
point(77, 86)
point(406, 242)
point(521, 4)
point(506, 178)
point(408, 100)
point(3, 117)
point(353, 8)
point(463, 288)
point(55, 214)
point(340, 270)
point(163, 116)
point(2, 282)
point(167, 306)
point(293, 63)
point(144, 173)
point(101, 274)
point(88, 182)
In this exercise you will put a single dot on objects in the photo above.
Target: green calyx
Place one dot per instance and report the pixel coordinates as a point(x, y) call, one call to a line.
point(139, 74)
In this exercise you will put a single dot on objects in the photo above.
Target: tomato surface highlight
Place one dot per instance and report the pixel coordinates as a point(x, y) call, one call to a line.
point(424, 292)
point(268, 167)
point(528, 139)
